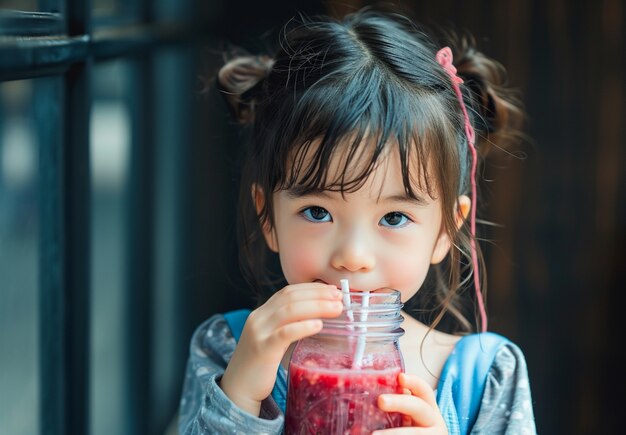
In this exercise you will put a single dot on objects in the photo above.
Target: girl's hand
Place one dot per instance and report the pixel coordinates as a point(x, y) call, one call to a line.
point(419, 406)
point(290, 314)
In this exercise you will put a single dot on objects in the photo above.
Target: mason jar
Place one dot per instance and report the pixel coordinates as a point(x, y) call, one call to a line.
point(336, 376)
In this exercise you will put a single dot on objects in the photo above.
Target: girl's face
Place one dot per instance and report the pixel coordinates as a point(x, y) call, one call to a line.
point(375, 237)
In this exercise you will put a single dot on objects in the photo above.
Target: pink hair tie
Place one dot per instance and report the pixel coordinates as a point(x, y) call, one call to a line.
point(444, 58)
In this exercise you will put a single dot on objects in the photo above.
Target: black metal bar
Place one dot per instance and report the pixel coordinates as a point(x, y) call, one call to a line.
point(77, 240)
point(57, 6)
point(53, 256)
point(64, 261)
point(78, 15)
point(113, 20)
point(32, 57)
point(19, 23)
point(64, 285)
point(120, 41)
point(146, 10)
point(140, 239)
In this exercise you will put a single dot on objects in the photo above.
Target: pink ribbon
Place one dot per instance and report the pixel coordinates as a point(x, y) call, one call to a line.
point(444, 58)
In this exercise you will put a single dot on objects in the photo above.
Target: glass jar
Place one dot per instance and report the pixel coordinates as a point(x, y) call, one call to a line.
point(336, 376)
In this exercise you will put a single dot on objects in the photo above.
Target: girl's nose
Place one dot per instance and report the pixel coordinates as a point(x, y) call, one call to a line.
point(353, 254)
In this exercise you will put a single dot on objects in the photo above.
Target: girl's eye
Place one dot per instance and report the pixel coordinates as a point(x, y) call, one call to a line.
point(316, 214)
point(394, 219)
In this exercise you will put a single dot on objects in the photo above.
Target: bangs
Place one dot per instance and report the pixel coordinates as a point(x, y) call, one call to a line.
point(359, 121)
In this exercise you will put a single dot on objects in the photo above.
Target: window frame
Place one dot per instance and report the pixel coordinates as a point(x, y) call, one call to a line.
point(61, 41)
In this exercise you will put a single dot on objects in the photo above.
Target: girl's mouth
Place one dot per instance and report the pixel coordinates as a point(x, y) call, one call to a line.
point(352, 289)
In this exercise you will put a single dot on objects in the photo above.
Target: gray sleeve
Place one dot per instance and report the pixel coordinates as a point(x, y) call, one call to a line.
point(204, 408)
point(506, 406)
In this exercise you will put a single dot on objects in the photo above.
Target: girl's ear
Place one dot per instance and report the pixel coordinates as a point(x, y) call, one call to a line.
point(258, 197)
point(463, 207)
point(443, 245)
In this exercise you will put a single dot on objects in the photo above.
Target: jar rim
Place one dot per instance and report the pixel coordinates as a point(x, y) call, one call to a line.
point(381, 291)
point(378, 315)
point(334, 332)
point(377, 309)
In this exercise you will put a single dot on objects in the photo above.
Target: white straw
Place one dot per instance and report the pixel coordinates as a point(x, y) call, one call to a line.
point(360, 346)
point(345, 292)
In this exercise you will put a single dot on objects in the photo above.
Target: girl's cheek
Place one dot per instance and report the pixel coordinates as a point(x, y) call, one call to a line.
point(300, 263)
point(406, 272)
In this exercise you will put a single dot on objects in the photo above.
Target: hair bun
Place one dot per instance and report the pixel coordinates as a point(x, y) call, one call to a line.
point(240, 81)
point(499, 112)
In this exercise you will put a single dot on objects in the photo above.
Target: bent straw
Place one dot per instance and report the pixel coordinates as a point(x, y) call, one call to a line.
point(360, 346)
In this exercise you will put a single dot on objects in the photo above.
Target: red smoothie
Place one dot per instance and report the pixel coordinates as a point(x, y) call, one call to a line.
point(328, 396)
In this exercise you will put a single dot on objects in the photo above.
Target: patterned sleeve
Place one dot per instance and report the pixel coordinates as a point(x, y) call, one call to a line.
point(506, 406)
point(204, 408)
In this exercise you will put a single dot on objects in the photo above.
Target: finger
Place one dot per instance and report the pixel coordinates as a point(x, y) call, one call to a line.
point(418, 387)
point(297, 303)
point(302, 301)
point(265, 315)
point(421, 412)
point(305, 310)
point(295, 331)
point(306, 291)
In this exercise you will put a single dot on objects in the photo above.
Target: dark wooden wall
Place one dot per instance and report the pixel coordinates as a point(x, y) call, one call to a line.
point(554, 262)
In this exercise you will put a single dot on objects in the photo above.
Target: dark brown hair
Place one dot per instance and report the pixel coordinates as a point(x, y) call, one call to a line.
point(368, 80)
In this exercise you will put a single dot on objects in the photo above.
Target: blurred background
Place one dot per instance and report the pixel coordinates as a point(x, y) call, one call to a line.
point(118, 181)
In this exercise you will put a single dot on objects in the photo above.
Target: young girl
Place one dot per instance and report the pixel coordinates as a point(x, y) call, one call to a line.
point(362, 166)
